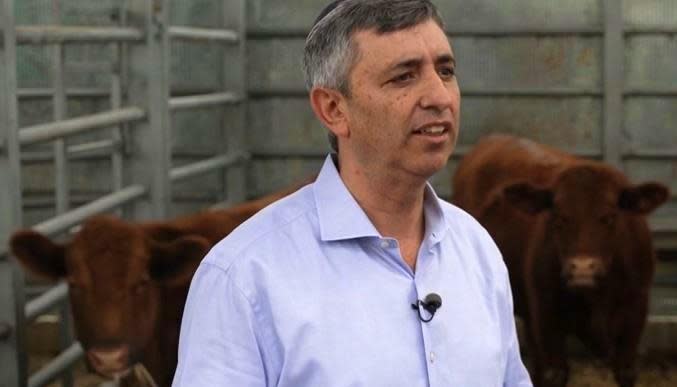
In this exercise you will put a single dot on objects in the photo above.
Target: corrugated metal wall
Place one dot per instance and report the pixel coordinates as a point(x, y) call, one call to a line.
point(528, 67)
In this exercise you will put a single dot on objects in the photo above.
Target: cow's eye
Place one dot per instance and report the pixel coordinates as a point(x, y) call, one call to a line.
point(608, 219)
point(560, 221)
point(141, 287)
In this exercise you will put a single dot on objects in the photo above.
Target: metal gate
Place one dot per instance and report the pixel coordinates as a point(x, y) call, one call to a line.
point(138, 143)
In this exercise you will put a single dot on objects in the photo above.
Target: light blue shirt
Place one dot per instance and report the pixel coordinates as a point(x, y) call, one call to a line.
point(307, 293)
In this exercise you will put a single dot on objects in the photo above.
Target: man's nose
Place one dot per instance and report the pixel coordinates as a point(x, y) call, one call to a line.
point(437, 93)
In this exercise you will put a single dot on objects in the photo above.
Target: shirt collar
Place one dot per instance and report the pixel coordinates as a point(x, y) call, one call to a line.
point(341, 217)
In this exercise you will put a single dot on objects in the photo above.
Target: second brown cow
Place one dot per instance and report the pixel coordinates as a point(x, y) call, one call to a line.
point(128, 282)
point(575, 238)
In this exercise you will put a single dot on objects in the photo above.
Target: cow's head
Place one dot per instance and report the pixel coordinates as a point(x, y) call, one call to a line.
point(588, 211)
point(116, 272)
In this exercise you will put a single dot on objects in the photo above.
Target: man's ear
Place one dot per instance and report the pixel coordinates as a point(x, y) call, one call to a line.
point(38, 254)
point(174, 263)
point(329, 106)
point(528, 198)
point(643, 198)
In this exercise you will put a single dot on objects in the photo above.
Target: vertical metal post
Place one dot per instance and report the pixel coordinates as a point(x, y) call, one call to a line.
point(118, 79)
point(61, 171)
point(235, 79)
point(150, 160)
point(12, 358)
point(614, 59)
point(61, 174)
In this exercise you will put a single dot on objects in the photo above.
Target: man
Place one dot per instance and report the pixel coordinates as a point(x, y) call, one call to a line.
point(317, 290)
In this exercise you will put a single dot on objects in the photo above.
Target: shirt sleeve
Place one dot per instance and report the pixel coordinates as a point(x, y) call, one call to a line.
point(516, 374)
point(218, 344)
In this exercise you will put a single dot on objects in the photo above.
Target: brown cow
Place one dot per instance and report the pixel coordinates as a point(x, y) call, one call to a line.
point(575, 239)
point(128, 282)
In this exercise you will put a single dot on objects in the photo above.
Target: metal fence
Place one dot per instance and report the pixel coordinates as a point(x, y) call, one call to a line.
point(604, 26)
point(140, 118)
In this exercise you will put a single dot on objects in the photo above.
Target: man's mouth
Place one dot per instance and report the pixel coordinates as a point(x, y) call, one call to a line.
point(434, 130)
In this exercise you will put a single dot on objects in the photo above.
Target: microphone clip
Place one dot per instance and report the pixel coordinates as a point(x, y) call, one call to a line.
point(430, 303)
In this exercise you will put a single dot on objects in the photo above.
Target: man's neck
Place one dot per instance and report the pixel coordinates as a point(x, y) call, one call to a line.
point(393, 203)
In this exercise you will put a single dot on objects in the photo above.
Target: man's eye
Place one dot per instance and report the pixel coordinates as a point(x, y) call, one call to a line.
point(447, 72)
point(402, 78)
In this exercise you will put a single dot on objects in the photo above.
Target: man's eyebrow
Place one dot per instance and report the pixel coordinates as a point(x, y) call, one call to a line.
point(416, 62)
point(446, 59)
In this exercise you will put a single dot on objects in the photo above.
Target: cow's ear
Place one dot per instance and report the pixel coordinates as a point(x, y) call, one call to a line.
point(173, 263)
point(528, 198)
point(643, 198)
point(38, 254)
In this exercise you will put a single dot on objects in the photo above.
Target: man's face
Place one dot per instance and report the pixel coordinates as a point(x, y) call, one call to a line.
point(403, 109)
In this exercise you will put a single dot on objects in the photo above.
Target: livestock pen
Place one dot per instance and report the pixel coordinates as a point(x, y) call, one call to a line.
point(110, 105)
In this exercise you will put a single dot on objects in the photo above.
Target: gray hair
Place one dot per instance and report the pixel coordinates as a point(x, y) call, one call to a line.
point(330, 53)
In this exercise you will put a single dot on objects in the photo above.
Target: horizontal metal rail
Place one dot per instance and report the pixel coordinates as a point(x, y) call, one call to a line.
point(47, 34)
point(650, 30)
point(71, 218)
point(45, 302)
point(650, 153)
point(86, 151)
point(205, 166)
point(203, 34)
point(94, 147)
point(650, 92)
point(56, 367)
point(45, 199)
point(196, 101)
point(507, 31)
point(35, 93)
point(59, 129)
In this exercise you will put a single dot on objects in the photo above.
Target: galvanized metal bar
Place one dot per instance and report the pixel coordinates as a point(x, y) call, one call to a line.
point(53, 130)
point(234, 78)
point(199, 101)
point(13, 369)
point(151, 159)
point(95, 147)
point(57, 366)
point(206, 166)
point(75, 216)
point(46, 34)
point(669, 153)
point(67, 338)
point(12, 354)
point(38, 93)
point(45, 302)
point(257, 33)
point(650, 30)
point(557, 92)
point(203, 34)
point(651, 92)
point(61, 172)
point(89, 150)
point(613, 82)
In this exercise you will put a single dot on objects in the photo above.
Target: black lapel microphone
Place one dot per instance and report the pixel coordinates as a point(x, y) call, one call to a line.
point(430, 303)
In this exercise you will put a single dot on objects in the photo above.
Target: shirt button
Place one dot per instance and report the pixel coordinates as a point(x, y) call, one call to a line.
point(432, 357)
point(385, 244)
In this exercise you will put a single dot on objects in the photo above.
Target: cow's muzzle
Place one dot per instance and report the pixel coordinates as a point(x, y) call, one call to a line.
point(110, 362)
point(582, 271)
